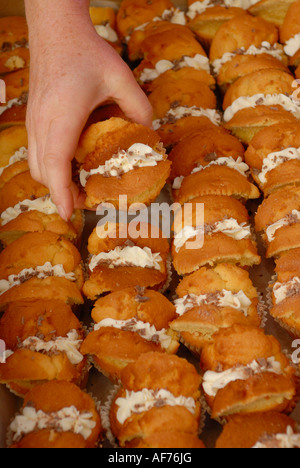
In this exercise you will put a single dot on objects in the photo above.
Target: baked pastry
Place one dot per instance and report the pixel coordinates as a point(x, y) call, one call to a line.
point(17, 87)
point(121, 158)
point(56, 415)
point(233, 66)
point(242, 31)
point(290, 34)
point(136, 13)
point(14, 52)
point(160, 393)
point(211, 230)
point(39, 215)
point(211, 299)
point(125, 256)
point(13, 152)
point(286, 292)
point(172, 49)
point(245, 431)
point(135, 46)
point(273, 11)
point(208, 170)
point(179, 76)
point(274, 157)
point(104, 20)
point(181, 97)
point(207, 16)
point(245, 371)
point(35, 258)
point(42, 341)
point(129, 323)
point(260, 99)
point(176, 126)
point(277, 219)
point(21, 187)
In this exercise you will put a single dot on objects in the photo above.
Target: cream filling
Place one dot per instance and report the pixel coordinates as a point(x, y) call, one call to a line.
point(145, 330)
point(198, 8)
point(173, 15)
point(237, 165)
point(275, 159)
point(224, 298)
point(40, 272)
point(44, 205)
point(246, 102)
point(9, 105)
point(127, 256)
point(215, 381)
point(107, 32)
point(292, 45)
point(145, 400)
point(230, 227)
point(138, 155)
point(66, 420)
point(292, 218)
point(181, 112)
point(282, 291)
point(69, 345)
point(265, 48)
point(284, 441)
point(198, 62)
point(20, 155)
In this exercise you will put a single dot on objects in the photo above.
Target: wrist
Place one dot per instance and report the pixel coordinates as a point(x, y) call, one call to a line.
point(55, 18)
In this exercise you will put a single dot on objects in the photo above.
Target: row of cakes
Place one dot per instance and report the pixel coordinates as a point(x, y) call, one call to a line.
point(47, 341)
point(261, 109)
point(168, 91)
point(268, 33)
point(41, 283)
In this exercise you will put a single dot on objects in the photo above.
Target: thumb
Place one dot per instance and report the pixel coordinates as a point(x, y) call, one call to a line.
point(132, 100)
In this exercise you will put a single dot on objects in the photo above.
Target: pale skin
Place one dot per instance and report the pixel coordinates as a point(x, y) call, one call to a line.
point(72, 72)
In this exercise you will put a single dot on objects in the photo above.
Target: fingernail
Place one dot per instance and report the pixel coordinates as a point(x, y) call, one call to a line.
point(62, 213)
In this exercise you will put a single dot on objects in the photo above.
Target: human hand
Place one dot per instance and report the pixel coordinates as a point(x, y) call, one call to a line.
point(72, 72)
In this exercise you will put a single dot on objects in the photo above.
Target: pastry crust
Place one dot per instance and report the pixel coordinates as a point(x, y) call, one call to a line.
point(105, 279)
point(244, 431)
point(242, 31)
point(21, 187)
point(47, 247)
point(217, 247)
point(180, 76)
point(101, 142)
point(260, 82)
point(248, 122)
point(198, 325)
point(12, 140)
point(273, 11)
point(113, 349)
point(47, 319)
point(276, 207)
point(132, 14)
point(52, 397)
point(264, 391)
point(156, 371)
point(187, 93)
point(207, 24)
point(201, 147)
point(168, 440)
point(272, 140)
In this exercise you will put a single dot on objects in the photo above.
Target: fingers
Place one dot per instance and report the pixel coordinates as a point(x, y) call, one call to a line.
point(60, 146)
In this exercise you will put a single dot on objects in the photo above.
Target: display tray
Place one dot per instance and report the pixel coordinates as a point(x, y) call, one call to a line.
point(100, 386)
